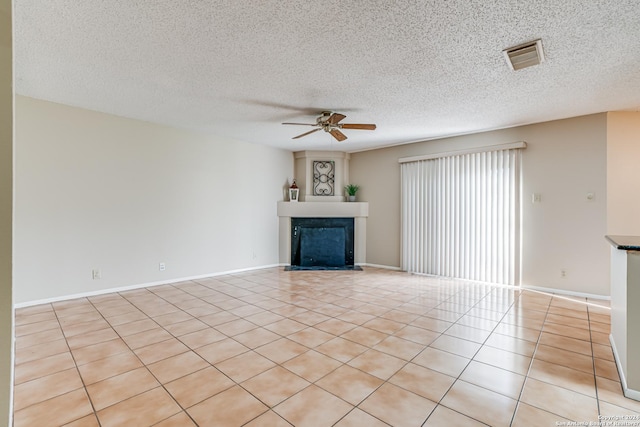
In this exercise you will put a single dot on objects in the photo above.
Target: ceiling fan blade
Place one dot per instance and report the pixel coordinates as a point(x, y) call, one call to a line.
point(306, 133)
point(360, 126)
point(338, 135)
point(301, 124)
point(335, 118)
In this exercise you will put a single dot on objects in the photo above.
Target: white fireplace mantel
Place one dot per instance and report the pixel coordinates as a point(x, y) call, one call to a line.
point(323, 209)
point(359, 211)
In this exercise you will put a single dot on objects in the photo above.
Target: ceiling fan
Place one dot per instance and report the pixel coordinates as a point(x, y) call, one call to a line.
point(330, 122)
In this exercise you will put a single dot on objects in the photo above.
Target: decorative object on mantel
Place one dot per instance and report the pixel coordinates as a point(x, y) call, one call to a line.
point(323, 177)
point(294, 191)
point(351, 190)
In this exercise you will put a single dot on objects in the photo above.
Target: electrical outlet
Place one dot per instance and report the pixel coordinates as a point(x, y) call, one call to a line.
point(162, 266)
point(563, 273)
point(536, 198)
point(95, 274)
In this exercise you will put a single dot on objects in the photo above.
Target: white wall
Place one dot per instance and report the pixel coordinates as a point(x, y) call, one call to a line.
point(6, 207)
point(564, 160)
point(96, 191)
point(623, 185)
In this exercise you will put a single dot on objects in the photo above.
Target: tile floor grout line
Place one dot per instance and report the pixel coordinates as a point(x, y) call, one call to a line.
point(537, 345)
point(387, 380)
point(270, 408)
point(75, 362)
point(429, 346)
point(212, 366)
point(533, 356)
point(209, 363)
point(593, 361)
point(328, 373)
point(471, 359)
point(384, 381)
point(145, 366)
point(44, 376)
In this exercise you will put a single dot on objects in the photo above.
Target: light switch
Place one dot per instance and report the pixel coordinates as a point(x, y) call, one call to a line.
point(536, 198)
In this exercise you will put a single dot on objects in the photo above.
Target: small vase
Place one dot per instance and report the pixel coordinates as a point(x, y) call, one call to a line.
point(352, 198)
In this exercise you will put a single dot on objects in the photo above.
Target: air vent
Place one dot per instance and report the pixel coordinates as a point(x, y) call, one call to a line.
point(524, 55)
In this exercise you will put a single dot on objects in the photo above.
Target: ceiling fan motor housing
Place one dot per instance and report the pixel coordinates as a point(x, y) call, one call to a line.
point(324, 117)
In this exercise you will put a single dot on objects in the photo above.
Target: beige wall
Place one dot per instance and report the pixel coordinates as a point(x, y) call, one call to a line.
point(565, 160)
point(623, 186)
point(96, 191)
point(6, 203)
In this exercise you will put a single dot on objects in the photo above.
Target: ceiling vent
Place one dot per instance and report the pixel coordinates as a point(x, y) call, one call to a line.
point(524, 55)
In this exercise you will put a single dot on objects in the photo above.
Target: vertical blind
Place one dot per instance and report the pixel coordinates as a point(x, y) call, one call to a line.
point(460, 216)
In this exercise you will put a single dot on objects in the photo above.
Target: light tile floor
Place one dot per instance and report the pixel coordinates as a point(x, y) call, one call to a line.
point(275, 348)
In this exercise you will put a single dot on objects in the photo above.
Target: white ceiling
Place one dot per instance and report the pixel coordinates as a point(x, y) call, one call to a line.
point(419, 69)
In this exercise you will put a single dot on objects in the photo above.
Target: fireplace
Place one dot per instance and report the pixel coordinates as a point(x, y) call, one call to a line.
point(322, 242)
point(352, 238)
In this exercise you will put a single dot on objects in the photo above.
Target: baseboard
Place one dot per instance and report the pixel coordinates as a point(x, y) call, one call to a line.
point(535, 288)
point(242, 270)
point(630, 393)
point(138, 286)
point(386, 267)
point(565, 292)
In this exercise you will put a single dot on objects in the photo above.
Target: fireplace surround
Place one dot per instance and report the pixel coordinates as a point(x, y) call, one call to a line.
point(357, 212)
point(322, 243)
point(316, 203)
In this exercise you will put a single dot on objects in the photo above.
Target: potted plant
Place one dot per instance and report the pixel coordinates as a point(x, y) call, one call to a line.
point(351, 191)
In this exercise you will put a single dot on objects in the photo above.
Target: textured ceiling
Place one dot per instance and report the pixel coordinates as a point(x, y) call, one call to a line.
point(419, 69)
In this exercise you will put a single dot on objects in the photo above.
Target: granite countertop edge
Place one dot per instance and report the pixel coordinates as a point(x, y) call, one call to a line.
point(625, 243)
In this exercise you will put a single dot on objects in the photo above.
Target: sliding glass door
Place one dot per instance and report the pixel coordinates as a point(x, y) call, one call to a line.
point(460, 216)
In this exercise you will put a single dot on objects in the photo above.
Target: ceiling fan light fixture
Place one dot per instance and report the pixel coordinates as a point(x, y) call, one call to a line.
point(524, 55)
